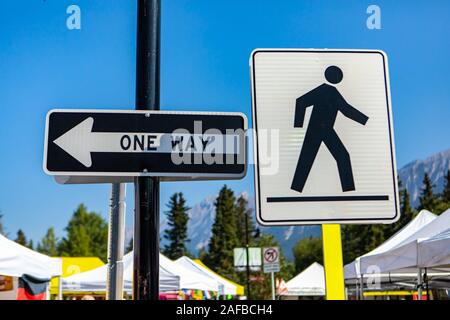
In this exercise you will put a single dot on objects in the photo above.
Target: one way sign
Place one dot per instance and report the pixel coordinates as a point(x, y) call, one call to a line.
point(145, 143)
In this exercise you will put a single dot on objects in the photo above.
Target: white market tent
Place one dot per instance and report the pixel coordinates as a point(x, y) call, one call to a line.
point(172, 278)
point(405, 255)
point(355, 269)
point(225, 287)
point(17, 260)
point(310, 282)
point(435, 251)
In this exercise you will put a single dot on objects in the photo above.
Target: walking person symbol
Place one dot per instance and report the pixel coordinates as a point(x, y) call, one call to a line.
point(326, 101)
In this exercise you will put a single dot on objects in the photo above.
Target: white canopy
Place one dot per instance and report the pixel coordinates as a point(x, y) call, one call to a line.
point(353, 270)
point(17, 260)
point(188, 278)
point(310, 282)
point(95, 280)
point(435, 251)
point(225, 287)
point(405, 254)
point(172, 277)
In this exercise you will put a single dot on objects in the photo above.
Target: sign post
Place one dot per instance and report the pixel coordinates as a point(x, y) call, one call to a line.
point(332, 256)
point(324, 143)
point(271, 263)
point(146, 194)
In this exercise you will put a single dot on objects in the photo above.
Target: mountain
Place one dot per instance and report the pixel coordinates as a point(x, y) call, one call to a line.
point(412, 174)
point(201, 218)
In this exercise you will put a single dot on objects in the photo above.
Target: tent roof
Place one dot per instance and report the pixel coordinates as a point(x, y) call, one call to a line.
point(424, 217)
point(188, 278)
point(95, 280)
point(435, 251)
point(172, 278)
point(229, 287)
point(405, 254)
point(17, 260)
point(310, 282)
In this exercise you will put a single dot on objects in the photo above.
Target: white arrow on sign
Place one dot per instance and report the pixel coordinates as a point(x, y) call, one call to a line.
point(80, 142)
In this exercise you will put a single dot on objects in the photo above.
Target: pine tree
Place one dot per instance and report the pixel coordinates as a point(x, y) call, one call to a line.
point(129, 246)
point(428, 199)
point(49, 244)
point(30, 244)
point(2, 228)
point(306, 251)
point(356, 241)
point(21, 238)
point(243, 219)
point(446, 192)
point(407, 212)
point(224, 238)
point(177, 233)
point(87, 235)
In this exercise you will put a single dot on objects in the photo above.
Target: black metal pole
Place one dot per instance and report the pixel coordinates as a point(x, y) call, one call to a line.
point(248, 257)
point(146, 222)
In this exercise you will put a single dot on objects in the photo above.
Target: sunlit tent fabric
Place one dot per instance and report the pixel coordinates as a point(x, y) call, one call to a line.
point(225, 286)
point(435, 251)
point(188, 278)
point(17, 260)
point(310, 282)
point(353, 270)
point(172, 278)
point(95, 280)
point(74, 265)
point(405, 254)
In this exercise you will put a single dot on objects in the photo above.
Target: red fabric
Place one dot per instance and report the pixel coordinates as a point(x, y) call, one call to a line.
point(22, 294)
point(31, 288)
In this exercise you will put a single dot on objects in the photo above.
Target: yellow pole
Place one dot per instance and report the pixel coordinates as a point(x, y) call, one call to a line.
point(332, 256)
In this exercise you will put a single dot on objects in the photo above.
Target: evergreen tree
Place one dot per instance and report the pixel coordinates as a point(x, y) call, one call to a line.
point(356, 241)
point(21, 238)
point(177, 233)
point(129, 246)
point(428, 199)
point(407, 212)
point(30, 244)
point(446, 192)
point(2, 228)
point(87, 235)
point(243, 219)
point(224, 238)
point(306, 252)
point(49, 244)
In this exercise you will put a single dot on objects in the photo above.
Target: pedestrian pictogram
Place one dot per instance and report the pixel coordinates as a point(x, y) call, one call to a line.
point(327, 101)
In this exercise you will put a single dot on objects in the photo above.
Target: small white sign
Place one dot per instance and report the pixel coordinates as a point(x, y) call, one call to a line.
point(324, 141)
point(271, 259)
point(240, 259)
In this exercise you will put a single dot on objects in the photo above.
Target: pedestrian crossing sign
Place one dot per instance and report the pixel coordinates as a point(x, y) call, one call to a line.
point(323, 137)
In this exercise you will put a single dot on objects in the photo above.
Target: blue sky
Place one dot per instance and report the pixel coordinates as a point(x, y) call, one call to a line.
point(205, 51)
